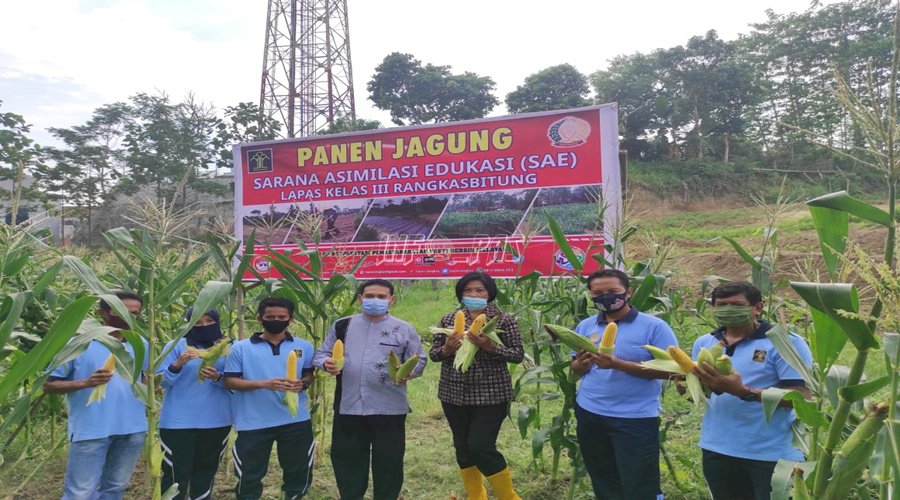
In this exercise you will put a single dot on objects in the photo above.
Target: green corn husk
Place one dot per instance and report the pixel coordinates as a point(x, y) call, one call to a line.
point(209, 356)
point(405, 369)
point(657, 353)
point(717, 350)
point(723, 365)
point(704, 356)
point(853, 457)
point(801, 490)
point(570, 338)
point(694, 386)
point(465, 355)
point(393, 366)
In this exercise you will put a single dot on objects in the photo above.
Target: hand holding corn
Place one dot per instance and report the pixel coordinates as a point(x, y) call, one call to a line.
point(715, 380)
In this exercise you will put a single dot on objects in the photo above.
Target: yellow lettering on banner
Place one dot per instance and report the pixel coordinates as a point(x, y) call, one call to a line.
point(456, 142)
point(338, 153)
point(321, 157)
point(303, 154)
point(478, 141)
point(355, 152)
point(373, 150)
point(434, 145)
point(502, 138)
point(415, 148)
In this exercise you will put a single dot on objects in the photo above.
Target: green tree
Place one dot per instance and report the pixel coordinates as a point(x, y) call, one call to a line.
point(344, 124)
point(557, 87)
point(19, 156)
point(422, 94)
point(240, 124)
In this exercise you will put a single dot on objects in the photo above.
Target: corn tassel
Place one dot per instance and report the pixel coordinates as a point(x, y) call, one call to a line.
point(291, 398)
point(337, 354)
point(657, 353)
point(570, 338)
point(459, 323)
point(608, 342)
point(98, 393)
point(684, 361)
point(209, 356)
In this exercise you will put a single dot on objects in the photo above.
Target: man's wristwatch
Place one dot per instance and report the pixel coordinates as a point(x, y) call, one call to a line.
point(751, 395)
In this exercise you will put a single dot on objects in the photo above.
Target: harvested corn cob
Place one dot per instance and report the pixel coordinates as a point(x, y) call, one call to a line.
point(684, 361)
point(397, 371)
point(723, 365)
point(337, 354)
point(291, 398)
point(98, 393)
point(657, 353)
point(608, 342)
point(459, 323)
point(570, 338)
point(465, 355)
point(213, 354)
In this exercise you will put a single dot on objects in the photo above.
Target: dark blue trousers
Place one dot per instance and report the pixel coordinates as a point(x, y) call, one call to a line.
point(621, 455)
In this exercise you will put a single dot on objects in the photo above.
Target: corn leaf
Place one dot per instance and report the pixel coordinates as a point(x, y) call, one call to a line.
point(781, 477)
point(891, 342)
point(833, 227)
point(826, 340)
point(55, 338)
point(168, 295)
point(14, 304)
point(854, 393)
point(749, 259)
point(85, 274)
point(537, 442)
point(644, 292)
point(830, 298)
point(560, 238)
point(806, 410)
point(526, 416)
point(843, 202)
point(781, 338)
point(171, 493)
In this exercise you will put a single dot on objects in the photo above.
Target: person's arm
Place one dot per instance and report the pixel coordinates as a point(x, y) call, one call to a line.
point(661, 336)
point(172, 365)
point(322, 359)
point(60, 383)
point(413, 348)
point(238, 384)
point(510, 350)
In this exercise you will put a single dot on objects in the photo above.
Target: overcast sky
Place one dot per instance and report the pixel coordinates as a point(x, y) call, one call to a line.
point(61, 59)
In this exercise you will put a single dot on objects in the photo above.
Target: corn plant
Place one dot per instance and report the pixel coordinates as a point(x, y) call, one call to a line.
point(320, 302)
point(144, 256)
point(837, 318)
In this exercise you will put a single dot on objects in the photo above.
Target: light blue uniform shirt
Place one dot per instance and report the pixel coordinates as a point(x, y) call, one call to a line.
point(187, 403)
point(118, 414)
point(256, 359)
point(614, 393)
point(738, 428)
point(365, 388)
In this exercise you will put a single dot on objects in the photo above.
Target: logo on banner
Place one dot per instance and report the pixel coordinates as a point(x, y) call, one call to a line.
point(560, 258)
point(259, 160)
point(569, 132)
point(261, 263)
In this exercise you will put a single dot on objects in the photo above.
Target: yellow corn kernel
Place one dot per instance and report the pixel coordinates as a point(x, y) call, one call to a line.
point(98, 393)
point(337, 354)
point(477, 324)
point(292, 366)
point(684, 361)
point(459, 323)
point(608, 342)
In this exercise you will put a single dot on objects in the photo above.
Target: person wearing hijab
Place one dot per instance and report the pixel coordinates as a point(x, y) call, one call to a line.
point(476, 402)
point(196, 411)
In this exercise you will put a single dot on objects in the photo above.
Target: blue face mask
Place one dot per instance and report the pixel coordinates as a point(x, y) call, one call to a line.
point(375, 307)
point(474, 303)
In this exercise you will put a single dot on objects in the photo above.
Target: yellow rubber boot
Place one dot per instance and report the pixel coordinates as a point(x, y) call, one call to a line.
point(473, 481)
point(501, 482)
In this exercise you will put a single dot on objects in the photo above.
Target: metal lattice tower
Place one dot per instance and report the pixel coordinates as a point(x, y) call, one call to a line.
point(307, 78)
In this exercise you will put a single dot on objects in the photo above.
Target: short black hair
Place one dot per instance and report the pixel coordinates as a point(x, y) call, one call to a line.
point(275, 302)
point(732, 288)
point(122, 295)
point(375, 282)
point(609, 273)
point(489, 284)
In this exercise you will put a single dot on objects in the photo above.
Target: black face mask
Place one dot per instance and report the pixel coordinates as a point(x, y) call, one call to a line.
point(275, 326)
point(117, 322)
point(204, 335)
point(610, 302)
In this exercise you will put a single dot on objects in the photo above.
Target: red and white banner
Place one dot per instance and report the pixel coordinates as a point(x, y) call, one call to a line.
point(436, 201)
